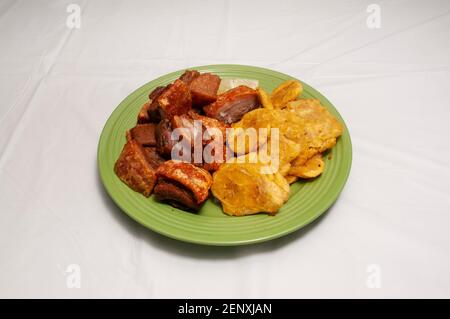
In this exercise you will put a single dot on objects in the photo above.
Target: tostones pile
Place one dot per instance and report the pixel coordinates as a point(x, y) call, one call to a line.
point(306, 129)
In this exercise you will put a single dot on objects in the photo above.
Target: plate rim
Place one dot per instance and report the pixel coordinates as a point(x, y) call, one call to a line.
point(258, 239)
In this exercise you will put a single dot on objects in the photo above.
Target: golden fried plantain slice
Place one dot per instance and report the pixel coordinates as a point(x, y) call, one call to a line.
point(293, 139)
point(284, 169)
point(264, 98)
point(286, 92)
point(306, 123)
point(312, 168)
point(278, 152)
point(242, 140)
point(321, 129)
point(287, 149)
point(243, 190)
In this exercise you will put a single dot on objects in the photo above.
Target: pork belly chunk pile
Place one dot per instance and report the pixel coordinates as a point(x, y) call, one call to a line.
point(146, 163)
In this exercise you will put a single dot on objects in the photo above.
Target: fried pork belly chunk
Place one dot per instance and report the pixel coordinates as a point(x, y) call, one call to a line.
point(214, 141)
point(212, 129)
point(134, 170)
point(182, 183)
point(144, 134)
point(205, 132)
point(188, 76)
point(196, 127)
point(185, 125)
point(204, 89)
point(233, 104)
point(149, 112)
point(164, 142)
point(174, 100)
point(176, 195)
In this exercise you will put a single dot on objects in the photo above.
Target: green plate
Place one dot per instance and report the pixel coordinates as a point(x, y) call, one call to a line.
point(210, 226)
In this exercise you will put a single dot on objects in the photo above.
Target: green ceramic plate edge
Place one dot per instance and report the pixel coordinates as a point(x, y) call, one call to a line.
point(307, 202)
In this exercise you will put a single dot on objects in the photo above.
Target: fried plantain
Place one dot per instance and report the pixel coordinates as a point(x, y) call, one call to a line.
point(285, 92)
point(312, 168)
point(243, 190)
point(264, 98)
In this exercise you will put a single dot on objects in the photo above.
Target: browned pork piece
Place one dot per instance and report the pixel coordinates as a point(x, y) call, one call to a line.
point(207, 129)
point(231, 105)
point(212, 128)
point(174, 100)
point(144, 134)
point(134, 170)
point(153, 158)
point(163, 134)
point(182, 184)
point(185, 126)
point(205, 133)
point(156, 92)
point(143, 116)
point(204, 89)
point(175, 195)
point(188, 76)
point(149, 112)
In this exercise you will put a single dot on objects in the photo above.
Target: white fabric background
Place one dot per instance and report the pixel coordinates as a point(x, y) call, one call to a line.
point(59, 85)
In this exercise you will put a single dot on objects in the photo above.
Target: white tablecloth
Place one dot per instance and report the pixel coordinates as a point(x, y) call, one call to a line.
point(387, 235)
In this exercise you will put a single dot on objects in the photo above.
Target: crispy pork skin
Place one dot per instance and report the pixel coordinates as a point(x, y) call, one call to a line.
point(204, 89)
point(192, 178)
point(188, 76)
point(175, 100)
point(134, 170)
point(144, 134)
point(231, 105)
point(156, 92)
